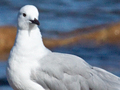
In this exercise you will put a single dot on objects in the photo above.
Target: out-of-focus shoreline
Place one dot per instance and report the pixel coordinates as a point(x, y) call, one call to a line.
point(101, 34)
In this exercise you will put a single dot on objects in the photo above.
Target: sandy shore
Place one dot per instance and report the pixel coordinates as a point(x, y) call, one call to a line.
point(101, 34)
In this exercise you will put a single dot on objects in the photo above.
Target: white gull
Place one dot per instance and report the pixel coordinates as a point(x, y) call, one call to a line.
point(31, 66)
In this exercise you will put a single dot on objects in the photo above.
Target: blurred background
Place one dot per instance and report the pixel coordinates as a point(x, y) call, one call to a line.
point(86, 28)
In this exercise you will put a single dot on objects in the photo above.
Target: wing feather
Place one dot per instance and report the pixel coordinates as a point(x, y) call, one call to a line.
point(68, 72)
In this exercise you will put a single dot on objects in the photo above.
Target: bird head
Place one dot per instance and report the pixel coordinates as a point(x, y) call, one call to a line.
point(28, 17)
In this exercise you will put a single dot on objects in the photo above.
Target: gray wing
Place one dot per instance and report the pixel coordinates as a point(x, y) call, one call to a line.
point(68, 72)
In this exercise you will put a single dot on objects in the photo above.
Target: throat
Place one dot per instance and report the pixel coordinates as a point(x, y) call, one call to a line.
point(29, 42)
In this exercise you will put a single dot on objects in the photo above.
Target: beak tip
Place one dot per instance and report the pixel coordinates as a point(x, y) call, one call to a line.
point(35, 21)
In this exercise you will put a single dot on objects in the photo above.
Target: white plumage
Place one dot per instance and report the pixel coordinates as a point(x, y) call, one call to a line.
point(31, 66)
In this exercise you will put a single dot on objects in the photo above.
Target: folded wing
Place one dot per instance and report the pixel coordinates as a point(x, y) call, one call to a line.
point(68, 72)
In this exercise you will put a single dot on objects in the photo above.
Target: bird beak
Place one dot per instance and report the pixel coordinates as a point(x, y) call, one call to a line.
point(35, 21)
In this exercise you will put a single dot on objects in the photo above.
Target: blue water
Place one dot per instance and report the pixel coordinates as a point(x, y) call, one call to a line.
point(64, 15)
point(67, 15)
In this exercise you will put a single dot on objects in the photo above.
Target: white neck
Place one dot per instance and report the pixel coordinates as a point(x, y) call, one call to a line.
point(28, 38)
point(29, 42)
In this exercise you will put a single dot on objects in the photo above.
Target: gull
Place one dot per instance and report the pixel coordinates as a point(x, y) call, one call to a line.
point(31, 66)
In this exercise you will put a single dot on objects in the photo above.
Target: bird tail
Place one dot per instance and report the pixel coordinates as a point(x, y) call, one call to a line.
point(113, 82)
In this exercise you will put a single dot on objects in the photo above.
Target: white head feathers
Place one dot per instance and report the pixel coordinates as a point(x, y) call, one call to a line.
point(28, 17)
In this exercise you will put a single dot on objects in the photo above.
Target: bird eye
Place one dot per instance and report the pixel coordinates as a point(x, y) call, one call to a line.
point(24, 14)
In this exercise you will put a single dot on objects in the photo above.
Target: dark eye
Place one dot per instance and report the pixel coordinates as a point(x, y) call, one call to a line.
point(24, 14)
